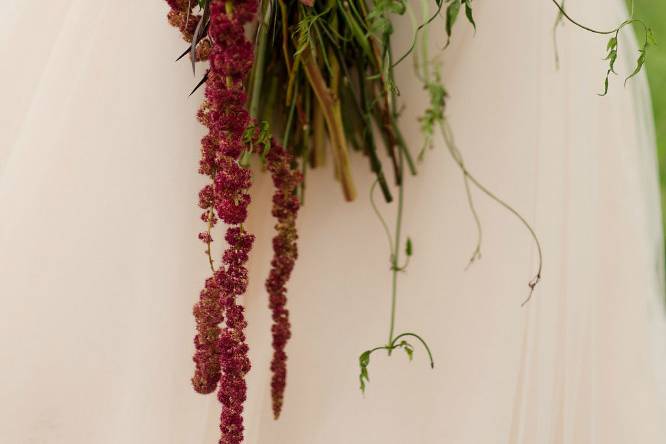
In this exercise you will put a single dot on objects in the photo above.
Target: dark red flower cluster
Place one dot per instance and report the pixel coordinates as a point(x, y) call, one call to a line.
point(225, 115)
point(233, 350)
point(182, 17)
point(221, 354)
point(285, 209)
point(208, 315)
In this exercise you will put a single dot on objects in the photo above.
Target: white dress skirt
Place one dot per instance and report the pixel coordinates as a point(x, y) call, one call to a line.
point(100, 265)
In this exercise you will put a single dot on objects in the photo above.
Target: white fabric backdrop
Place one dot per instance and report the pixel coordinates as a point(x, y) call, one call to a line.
point(99, 264)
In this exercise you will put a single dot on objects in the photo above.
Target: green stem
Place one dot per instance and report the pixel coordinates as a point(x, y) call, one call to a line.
point(414, 335)
point(596, 31)
point(260, 62)
point(380, 217)
point(395, 254)
point(457, 157)
point(290, 119)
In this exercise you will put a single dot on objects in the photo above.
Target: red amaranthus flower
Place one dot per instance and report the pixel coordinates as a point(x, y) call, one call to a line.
point(285, 209)
point(182, 17)
point(221, 354)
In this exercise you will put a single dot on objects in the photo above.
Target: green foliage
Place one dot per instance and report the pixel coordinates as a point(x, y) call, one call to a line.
point(397, 343)
point(364, 361)
point(612, 46)
point(451, 16)
point(379, 18)
point(452, 12)
point(434, 115)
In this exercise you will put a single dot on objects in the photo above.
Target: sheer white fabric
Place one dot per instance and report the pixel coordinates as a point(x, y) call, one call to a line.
point(99, 264)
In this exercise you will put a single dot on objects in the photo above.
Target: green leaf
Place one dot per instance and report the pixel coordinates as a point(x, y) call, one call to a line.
point(639, 63)
point(650, 37)
point(612, 57)
point(264, 138)
point(397, 7)
point(606, 84)
point(612, 44)
point(452, 12)
point(409, 247)
point(469, 14)
point(363, 361)
point(409, 350)
point(244, 160)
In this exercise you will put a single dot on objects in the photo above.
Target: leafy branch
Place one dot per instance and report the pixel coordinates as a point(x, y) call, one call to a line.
point(397, 343)
point(612, 46)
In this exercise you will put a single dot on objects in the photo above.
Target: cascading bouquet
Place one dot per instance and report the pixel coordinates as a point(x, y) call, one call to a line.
point(287, 81)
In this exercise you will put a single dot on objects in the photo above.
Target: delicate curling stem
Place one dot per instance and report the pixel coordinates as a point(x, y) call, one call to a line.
point(556, 25)
point(458, 159)
point(476, 254)
point(560, 7)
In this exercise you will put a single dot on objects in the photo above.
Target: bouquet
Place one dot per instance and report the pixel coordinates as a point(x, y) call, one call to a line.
point(293, 83)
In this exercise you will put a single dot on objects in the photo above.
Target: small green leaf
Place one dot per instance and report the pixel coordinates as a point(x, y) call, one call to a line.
point(452, 12)
point(363, 361)
point(408, 247)
point(264, 138)
point(469, 14)
point(409, 350)
point(612, 57)
point(244, 160)
point(639, 63)
point(650, 37)
point(612, 44)
point(606, 84)
point(397, 7)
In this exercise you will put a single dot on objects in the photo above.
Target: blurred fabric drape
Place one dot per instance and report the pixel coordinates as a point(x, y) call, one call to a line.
point(100, 265)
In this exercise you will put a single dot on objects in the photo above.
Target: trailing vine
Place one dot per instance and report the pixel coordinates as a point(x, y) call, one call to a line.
point(612, 46)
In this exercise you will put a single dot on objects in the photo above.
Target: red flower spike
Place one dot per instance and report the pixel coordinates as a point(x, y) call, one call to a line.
point(285, 252)
point(220, 356)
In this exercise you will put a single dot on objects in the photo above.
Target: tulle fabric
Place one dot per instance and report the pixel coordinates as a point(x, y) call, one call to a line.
point(99, 262)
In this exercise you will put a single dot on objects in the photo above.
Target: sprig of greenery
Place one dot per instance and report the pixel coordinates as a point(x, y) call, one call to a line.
point(612, 46)
point(394, 242)
point(398, 343)
point(434, 114)
point(452, 13)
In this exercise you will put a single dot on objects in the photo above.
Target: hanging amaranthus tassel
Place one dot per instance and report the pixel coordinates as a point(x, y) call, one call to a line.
point(221, 353)
point(285, 210)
